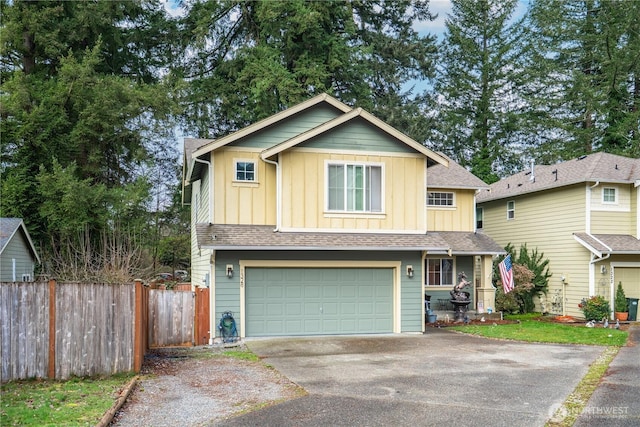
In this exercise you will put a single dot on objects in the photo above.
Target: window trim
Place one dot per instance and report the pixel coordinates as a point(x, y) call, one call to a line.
point(615, 196)
point(247, 161)
point(511, 210)
point(345, 164)
point(479, 218)
point(441, 259)
point(451, 193)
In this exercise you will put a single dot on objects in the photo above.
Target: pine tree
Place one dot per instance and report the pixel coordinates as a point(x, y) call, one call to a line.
point(477, 108)
point(583, 78)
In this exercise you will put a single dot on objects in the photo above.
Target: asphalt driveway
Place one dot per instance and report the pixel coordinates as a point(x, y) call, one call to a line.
point(440, 378)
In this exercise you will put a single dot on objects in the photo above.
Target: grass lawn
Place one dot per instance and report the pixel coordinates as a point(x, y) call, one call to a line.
point(76, 402)
point(531, 329)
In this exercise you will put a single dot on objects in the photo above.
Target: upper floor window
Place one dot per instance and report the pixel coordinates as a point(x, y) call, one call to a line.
point(245, 170)
point(609, 195)
point(354, 187)
point(439, 271)
point(511, 209)
point(479, 217)
point(440, 199)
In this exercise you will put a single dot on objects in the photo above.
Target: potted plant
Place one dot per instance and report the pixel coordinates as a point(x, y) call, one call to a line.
point(620, 304)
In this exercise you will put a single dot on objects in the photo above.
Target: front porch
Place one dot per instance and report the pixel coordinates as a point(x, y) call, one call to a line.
point(448, 316)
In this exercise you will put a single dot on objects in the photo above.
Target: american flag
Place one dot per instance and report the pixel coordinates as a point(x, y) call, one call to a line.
point(506, 274)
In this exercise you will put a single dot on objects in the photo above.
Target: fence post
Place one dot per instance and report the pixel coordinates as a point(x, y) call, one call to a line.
point(52, 329)
point(138, 353)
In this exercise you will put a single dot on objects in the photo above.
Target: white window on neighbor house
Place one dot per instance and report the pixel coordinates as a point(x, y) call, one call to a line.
point(479, 217)
point(511, 209)
point(439, 271)
point(354, 187)
point(245, 170)
point(440, 199)
point(609, 195)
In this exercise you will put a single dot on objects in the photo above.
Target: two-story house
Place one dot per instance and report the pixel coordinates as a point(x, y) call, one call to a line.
point(583, 215)
point(322, 219)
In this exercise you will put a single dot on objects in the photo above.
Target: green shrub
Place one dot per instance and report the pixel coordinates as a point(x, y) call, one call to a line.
point(531, 277)
point(620, 303)
point(595, 308)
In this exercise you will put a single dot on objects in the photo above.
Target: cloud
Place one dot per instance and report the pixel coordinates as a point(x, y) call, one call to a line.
point(437, 27)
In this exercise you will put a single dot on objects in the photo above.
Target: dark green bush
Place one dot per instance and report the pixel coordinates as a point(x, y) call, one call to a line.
point(595, 308)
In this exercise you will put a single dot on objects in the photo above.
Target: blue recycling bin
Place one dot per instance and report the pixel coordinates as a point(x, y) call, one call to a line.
point(632, 303)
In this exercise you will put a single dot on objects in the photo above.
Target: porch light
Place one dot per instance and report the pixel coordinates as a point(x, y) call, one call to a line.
point(409, 271)
point(229, 271)
point(603, 269)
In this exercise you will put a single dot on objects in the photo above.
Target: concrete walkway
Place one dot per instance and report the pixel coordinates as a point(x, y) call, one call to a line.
point(616, 401)
point(440, 378)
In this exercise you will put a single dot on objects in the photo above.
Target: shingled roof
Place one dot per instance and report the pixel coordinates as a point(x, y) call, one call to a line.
point(263, 237)
point(602, 244)
point(602, 167)
point(8, 228)
point(453, 176)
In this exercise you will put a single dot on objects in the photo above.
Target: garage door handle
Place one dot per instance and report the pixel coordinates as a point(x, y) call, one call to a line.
point(320, 309)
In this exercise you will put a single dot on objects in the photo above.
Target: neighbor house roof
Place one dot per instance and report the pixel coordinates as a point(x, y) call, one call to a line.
point(9, 227)
point(603, 244)
point(263, 237)
point(596, 167)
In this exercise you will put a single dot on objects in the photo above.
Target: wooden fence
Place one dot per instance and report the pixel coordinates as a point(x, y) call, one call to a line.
point(59, 330)
point(171, 317)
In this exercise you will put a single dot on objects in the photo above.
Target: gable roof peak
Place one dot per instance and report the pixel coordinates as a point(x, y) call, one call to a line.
point(214, 144)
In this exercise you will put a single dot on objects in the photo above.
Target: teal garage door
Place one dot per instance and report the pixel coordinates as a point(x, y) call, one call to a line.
point(316, 301)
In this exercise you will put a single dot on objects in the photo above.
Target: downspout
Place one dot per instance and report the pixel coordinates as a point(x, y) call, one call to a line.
point(210, 167)
point(588, 208)
point(278, 192)
point(425, 217)
point(212, 257)
point(212, 297)
point(637, 186)
point(475, 211)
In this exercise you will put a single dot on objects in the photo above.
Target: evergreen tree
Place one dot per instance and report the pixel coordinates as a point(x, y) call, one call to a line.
point(477, 105)
point(85, 116)
point(250, 59)
point(583, 85)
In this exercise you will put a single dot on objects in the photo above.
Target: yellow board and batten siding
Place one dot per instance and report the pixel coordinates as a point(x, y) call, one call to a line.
point(304, 186)
point(237, 202)
point(555, 240)
point(459, 217)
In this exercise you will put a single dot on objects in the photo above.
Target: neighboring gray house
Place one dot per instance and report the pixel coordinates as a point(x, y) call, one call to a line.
point(18, 256)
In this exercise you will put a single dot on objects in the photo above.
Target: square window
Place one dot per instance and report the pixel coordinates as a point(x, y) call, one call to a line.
point(245, 171)
point(439, 272)
point(609, 195)
point(354, 187)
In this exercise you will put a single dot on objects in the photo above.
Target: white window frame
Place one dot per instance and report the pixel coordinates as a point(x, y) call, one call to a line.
point(511, 210)
point(443, 264)
point(607, 191)
point(479, 218)
point(449, 196)
point(236, 162)
point(350, 204)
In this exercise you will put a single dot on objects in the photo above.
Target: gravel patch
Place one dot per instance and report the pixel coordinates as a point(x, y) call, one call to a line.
point(198, 386)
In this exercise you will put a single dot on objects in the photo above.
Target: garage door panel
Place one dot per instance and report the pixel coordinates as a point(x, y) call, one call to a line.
point(318, 301)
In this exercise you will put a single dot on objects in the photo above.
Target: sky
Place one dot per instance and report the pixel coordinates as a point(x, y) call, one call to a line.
point(439, 7)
